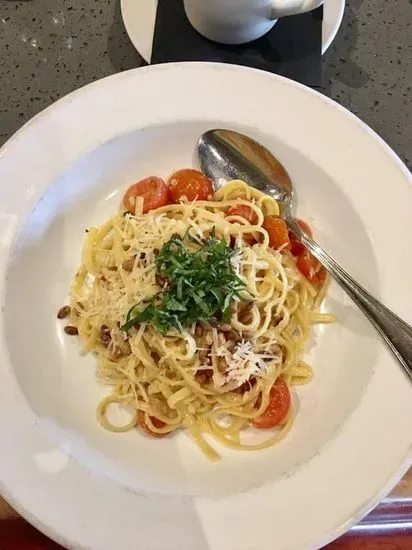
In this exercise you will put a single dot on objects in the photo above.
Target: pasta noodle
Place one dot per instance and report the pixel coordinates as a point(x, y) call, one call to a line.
point(210, 380)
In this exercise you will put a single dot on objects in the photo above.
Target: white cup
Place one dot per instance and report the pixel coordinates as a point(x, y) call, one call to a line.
point(241, 21)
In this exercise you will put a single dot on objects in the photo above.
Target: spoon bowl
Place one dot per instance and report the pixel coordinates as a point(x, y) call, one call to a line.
point(225, 155)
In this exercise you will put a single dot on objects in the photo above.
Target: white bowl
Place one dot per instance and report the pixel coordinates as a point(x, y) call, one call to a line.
point(67, 170)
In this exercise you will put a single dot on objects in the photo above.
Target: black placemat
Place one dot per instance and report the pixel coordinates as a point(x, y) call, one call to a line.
point(292, 48)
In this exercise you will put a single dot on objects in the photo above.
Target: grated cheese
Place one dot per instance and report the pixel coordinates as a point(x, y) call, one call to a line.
point(245, 363)
point(236, 261)
point(119, 290)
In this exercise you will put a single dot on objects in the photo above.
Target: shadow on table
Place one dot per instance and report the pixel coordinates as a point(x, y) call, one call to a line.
point(119, 48)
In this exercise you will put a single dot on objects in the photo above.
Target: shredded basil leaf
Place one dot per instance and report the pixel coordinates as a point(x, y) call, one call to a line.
point(201, 285)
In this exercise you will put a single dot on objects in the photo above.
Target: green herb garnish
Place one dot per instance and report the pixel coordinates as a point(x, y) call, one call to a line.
point(201, 285)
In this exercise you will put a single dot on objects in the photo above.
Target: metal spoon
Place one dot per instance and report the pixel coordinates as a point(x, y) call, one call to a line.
point(225, 155)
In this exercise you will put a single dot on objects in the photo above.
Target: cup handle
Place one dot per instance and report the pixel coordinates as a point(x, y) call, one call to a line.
point(281, 8)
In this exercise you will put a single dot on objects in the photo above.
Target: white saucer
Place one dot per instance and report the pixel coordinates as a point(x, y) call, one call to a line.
point(139, 18)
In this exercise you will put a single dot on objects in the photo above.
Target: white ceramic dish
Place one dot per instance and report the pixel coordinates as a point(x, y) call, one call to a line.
point(139, 17)
point(67, 169)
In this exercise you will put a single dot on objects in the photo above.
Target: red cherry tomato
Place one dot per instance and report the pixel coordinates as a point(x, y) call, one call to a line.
point(277, 230)
point(248, 214)
point(320, 277)
point(309, 266)
point(277, 409)
point(155, 421)
point(154, 191)
point(190, 185)
point(243, 211)
point(296, 247)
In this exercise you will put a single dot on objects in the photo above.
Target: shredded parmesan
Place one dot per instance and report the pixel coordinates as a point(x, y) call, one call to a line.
point(120, 289)
point(245, 363)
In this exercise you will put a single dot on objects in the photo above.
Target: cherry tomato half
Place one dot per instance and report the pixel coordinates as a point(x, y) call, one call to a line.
point(296, 247)
point(309, 266)
point(243, 211)
point(320, 277)
point(154, 191)
point(155, 421)
point(190, 185)
point(277, 409)
point(248, 214)
point(277, 230)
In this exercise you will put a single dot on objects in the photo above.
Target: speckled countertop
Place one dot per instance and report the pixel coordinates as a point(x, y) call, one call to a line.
point(51, 47)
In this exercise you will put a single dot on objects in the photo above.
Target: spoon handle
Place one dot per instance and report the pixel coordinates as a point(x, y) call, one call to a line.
point(396, 333)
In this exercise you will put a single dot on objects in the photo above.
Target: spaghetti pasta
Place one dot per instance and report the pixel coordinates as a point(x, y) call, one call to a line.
point(214, 377)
